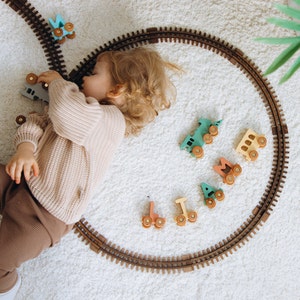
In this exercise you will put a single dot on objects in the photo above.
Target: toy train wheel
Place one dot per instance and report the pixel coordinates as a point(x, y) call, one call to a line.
point(207, 138)
point(198, 151)
point(229, 179)
point(146, 221)
point(159, 222)
point(262, 141)
point(62, 40)
point(58, 32)
point(31, 78)
point(210, 202)
point(253, 154)
point(71, 36)
point(20, 119)
point(219, 195)
point(213, 130)
point(69, 26)
point(192, 216)
point(236, 170)
point(45, 86)
point(180, 220)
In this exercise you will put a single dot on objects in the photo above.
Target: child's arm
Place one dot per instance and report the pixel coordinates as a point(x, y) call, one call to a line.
point(26, 142)
point(72, 114)
point(22, 161)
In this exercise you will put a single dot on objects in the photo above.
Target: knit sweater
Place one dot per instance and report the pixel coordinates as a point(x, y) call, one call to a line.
point(74, 143)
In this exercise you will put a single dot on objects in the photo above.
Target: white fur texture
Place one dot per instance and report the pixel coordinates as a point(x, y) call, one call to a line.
point(267, 267)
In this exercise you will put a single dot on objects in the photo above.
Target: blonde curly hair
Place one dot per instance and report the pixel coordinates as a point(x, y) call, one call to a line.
point(141, 75)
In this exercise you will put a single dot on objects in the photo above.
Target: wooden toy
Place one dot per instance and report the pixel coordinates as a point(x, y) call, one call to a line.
point(211, 194)
point(249, 144)
point(20, 119)
point(204, 134)
point(216, 253)
point(191, 216)
point(228, 170)
point(34, 90)
point(153, 218)
point(61, 29)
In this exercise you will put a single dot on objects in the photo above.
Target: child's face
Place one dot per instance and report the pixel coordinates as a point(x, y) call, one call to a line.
point(100, 82)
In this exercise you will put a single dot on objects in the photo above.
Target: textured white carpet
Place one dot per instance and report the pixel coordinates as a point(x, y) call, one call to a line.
point(267, 267)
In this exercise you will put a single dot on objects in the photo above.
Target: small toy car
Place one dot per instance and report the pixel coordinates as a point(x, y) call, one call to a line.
point(249, 144)
point(211, 194)
point(191, 216)
point(34, 90)
point(153, 218)
point(228, 170)
point(204, 134)
point(61, 29)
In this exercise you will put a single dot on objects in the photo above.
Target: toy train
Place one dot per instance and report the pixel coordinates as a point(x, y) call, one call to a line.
point(153, 219)
point(34, 90)
point(204, 134)
point(228, 170)
point(211, 194)
point(190, 216)
point(249, 144)
point(61, 30)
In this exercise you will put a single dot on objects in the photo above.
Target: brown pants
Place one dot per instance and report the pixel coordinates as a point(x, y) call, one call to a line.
point(26, 228)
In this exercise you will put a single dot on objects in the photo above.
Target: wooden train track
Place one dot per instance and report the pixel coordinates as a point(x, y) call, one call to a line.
point(270, 197)
point(42, 31)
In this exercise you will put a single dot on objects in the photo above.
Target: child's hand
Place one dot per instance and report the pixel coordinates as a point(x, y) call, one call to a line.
point(22, 161)
point(49, 76)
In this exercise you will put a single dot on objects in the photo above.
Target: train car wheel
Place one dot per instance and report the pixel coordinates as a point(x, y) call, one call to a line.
point(159, 222)
point(31, 78)
point(192, 216)
point(229, 179)
point(207, 138)
point(253, 154)
point(180, 220)
point(213, 130)
point(262, 141)
point(210, 202)
point(236, 170)
point(146, 221)
point(198, 151)
point(219, 195)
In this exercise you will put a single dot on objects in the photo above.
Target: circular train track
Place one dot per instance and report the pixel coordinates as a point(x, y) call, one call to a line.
point(270, 197)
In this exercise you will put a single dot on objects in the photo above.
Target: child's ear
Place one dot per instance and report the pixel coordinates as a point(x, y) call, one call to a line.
point(116, 91)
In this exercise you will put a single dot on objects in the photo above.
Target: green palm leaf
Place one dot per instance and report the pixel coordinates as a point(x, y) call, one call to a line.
point(291, 71)
point(291, 12)
point(278, 41)
point(285, 23)
point(283, 58)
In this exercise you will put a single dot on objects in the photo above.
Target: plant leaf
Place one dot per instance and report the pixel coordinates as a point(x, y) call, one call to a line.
point(278, 41)
point(285, 23)
point(283, 58)
point(291, 12)
point(291, 71)
point(297, 1)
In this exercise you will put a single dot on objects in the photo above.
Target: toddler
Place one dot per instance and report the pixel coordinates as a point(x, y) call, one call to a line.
point(63, 154)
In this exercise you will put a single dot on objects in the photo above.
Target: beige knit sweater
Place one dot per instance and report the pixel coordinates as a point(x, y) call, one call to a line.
point(74, 145)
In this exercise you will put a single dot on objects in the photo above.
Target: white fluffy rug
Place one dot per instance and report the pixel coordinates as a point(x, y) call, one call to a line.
point(267, 267)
